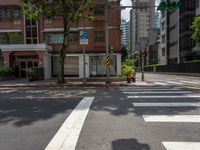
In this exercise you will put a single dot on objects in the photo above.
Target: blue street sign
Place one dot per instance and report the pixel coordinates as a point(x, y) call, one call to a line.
point(84, 37)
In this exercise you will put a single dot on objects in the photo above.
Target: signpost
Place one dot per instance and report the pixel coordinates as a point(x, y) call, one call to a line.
point(84, 41)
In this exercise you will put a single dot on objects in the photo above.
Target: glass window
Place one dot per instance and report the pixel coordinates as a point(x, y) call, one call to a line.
point(99, 36)
point(74, 37)
point(99, 10)
point(163, 51)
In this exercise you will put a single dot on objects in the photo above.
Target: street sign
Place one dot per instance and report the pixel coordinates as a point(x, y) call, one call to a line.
point(83, 37)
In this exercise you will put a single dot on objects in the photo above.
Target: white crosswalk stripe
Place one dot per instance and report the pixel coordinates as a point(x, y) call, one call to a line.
point(161, 92)
point(196, 104)
point(182, 145)
point(173, 94)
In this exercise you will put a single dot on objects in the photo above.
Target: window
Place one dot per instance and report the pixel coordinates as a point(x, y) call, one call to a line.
point(10, 12)
point(1, 59)
point(74, 37)
point(31, 31)
point(10, 38)
point(163, 38)
point(99, 10)
point(58, 37)
point(163, 51)
point(173, 44)
point(99, 36)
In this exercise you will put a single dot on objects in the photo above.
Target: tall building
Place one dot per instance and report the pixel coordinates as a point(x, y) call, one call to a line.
point(141, 21)
point(176, 42)
point(157, 20)
point(29, 43)
point(197, 7)
point(163, 38)
point(124, 32)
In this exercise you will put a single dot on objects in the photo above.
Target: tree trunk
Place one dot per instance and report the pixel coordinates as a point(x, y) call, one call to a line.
point(61, 60)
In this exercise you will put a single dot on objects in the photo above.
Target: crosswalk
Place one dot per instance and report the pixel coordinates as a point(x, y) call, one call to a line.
point(166, 97)
point(178, 82)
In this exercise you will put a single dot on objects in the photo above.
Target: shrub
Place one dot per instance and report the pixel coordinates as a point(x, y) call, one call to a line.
point(5, 71)
point(127, 70)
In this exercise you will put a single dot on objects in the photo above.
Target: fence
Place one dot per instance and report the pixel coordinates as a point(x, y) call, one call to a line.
point(193, 67)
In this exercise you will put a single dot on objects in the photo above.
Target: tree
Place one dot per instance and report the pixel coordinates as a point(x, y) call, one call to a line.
point(196, 28)
point(124, 52)
point(70, 10)
point(169, 6)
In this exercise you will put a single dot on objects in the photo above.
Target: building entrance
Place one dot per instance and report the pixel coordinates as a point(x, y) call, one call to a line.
point(21, 64)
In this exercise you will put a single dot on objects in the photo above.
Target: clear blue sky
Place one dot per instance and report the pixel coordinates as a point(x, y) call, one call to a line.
point(125, 13)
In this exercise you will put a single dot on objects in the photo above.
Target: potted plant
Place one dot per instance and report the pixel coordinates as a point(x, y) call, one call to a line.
point(127, 71)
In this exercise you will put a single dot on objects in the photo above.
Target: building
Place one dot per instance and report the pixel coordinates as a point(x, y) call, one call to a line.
point(124, 32)
point(163, 39)
point(176, 42)
point(153, 46)
point(157, 20)
point(26, 43)
point(197, 7)
point(141, 21)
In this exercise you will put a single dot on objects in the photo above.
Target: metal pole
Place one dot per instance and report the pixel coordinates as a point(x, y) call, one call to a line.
point(84, 69)
point(107, 39)
point(142, 76)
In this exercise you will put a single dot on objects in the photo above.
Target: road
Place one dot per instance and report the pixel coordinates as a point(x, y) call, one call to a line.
point(148, 117)
point(164, 79)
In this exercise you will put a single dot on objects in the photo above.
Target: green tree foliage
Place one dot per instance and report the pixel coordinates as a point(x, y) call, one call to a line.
point(196, 28)
point(124, 52)
point(169, 6)
point(70, 10)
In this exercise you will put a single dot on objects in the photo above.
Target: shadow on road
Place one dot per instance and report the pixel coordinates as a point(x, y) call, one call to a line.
point(117, 103)
point(129, 144)
point(26, 111)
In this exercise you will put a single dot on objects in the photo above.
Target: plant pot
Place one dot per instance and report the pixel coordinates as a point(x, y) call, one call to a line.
point(133, 79)
point(128, 80)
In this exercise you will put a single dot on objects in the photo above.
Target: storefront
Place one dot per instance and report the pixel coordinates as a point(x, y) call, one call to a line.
point(21, 57)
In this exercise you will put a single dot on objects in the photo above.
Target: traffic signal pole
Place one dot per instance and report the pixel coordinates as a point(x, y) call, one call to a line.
point(107, 39)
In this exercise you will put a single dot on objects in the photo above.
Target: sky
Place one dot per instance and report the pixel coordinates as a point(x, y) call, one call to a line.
point(125, 13)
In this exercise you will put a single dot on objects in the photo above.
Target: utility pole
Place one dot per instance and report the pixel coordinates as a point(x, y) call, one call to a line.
point(107, 39)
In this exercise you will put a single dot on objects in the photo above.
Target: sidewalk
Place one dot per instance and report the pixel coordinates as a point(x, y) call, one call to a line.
point(53, 83)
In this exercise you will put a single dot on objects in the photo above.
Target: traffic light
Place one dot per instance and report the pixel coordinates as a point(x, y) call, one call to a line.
point(111, 49)
point(169, 6)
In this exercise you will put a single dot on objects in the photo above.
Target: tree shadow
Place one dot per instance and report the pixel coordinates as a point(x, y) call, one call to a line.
point(129, 144)
point(23, 112)
point(117, 103)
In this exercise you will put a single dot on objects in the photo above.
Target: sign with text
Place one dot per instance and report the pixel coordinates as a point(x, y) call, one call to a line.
point(83, 37)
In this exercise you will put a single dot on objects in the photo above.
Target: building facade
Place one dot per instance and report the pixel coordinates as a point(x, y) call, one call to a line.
point(153, 46)
point(163, 39)
point(176, 42)
point(29, 43)
point(197, 7)
point(124, 32)
point(157, 20)
point(141, 21)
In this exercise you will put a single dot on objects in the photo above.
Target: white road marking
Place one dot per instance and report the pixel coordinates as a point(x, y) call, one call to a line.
point(191, 82)
point(160, 92)
point(172, 82)
point(161, 83)
point(165, 96)
point(166, 104)
point(182, 145)
point(172, 89)
point(172, 118)
point(68, 134)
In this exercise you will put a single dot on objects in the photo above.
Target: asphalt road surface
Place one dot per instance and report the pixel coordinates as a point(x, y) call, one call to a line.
point(151, 117)
point(177, 80)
